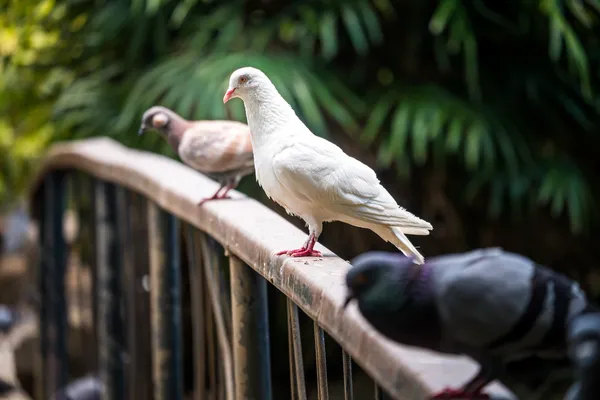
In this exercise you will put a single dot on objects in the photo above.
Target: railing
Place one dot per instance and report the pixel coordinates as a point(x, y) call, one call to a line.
point(138, 215)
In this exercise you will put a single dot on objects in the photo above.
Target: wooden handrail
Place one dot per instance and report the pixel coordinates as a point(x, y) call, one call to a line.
point(253, 233)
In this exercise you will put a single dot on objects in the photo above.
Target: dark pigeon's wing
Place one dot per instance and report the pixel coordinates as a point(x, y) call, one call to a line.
point(482, 295)
point(506, 304)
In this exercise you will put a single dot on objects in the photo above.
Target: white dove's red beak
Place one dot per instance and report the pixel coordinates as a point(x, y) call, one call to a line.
point(228, 95)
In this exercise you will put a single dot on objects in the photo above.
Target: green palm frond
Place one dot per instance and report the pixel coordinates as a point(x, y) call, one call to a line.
point(421, 116)
point(452, 18)
point(566, 190)
point(564, 36)
point(195, 87)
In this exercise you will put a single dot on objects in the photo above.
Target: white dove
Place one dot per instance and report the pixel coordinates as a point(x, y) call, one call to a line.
point(313, 178)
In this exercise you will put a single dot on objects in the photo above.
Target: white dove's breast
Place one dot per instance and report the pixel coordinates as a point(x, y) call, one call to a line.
point(274, 189)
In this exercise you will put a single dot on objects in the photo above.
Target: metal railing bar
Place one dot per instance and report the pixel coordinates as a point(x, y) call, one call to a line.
point(378, 392)
point(321, 360)
point(109, 264)
point(224, 287)
point(198, 313)
point(58, 201)
point(293, 385)
point(347, 367)
point(297, 349)
point(74, 264)
point(135, 253)
point(41, 272)
point(92, 228)
point(210, 263)
point(165, 298)
point(211, 344)
point(250, 332)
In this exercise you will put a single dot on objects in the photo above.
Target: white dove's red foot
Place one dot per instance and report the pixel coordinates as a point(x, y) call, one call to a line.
point(304, 251)
point(218, 195)
point(301, 253)
point(456, 394)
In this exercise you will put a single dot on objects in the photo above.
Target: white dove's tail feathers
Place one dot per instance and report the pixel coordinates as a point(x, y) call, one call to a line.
point(415, 231)
point(395, 236)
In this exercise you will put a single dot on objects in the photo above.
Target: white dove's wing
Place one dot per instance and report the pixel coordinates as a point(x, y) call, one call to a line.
point(319, 172)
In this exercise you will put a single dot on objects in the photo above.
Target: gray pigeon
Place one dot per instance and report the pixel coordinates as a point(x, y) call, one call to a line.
point(491, 305)
point(222, 150)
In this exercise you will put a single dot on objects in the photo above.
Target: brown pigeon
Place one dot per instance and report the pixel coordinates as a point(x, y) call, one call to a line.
point(222, 150)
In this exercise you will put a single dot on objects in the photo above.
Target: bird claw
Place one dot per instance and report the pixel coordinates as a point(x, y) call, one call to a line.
point(213, 198)
point(455, 394)
point(300, 253)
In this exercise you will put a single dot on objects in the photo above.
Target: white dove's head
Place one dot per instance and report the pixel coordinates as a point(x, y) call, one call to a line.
point(245, 82)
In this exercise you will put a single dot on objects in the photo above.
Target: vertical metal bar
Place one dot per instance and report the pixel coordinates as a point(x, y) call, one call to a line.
point(129, 294)
point(54, 267)
point(378, 392)
point(293, 385)
point(165, 297)
point(250, 329)
point(211, 346)
point(297, 349)
point(43, 270)
point(321, 360)
point(92, 226)
point(347, 367)
point(210, 263)
point(198, 312)
point(109, 265)
point(138, 301)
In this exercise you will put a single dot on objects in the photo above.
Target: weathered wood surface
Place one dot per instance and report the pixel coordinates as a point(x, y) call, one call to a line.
point(254, 233)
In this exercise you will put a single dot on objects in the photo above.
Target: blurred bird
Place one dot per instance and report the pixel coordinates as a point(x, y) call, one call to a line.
point(86, 388)
point(16, 326)
point(313, 178)
point(16, 229)
point(8, 318)
point(491, 305)
point(222, 150)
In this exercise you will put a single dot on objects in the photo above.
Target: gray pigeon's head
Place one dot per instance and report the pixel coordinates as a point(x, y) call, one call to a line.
point(376, 279)
point(158, 118)
point(245, 82)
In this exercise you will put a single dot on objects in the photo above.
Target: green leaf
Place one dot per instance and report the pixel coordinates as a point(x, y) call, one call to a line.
point(357, 36)
point(455, 134)
point(328, 36)
point(442, 16)
point(473, 150)
point(371, 22)
point(420, 135)
point(376, 119)
point(400, 132)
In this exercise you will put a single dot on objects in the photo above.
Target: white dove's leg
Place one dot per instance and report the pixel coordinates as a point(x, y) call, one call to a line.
point(307, 250)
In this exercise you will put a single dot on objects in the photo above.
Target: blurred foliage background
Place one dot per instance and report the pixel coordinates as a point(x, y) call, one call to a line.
point(480, 116)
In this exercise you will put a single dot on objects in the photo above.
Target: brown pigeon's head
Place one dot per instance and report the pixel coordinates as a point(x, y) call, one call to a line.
point(244, 82)
point(157, 118)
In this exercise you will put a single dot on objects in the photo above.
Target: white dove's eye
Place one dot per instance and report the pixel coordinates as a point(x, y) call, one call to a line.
point(243, 79)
